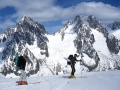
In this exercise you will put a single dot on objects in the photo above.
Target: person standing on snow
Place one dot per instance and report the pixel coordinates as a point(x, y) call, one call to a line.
point(22, 64)
point(73, 61)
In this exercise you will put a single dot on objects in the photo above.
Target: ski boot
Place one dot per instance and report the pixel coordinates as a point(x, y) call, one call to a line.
point(72, 76)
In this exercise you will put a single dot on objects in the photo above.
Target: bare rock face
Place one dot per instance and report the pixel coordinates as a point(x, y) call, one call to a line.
point(115, 25)
point(113, 44)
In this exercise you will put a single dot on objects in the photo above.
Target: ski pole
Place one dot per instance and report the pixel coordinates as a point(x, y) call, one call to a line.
point(80, 69)
point(26, 80)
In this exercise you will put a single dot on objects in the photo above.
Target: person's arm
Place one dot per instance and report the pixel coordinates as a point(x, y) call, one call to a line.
point(76, 59)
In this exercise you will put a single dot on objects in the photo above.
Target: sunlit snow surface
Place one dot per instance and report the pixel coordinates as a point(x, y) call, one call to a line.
point(108, 80)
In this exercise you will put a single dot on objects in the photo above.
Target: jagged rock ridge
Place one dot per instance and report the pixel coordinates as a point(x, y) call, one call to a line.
point(115, 25)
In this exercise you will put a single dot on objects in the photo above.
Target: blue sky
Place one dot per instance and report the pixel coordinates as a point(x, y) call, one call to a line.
point(53, 14)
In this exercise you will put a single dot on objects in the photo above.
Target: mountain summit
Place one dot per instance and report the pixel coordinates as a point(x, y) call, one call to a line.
point(18, 40)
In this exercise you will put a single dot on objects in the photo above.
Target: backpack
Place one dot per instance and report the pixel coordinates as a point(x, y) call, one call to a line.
point(17, 61)
point(70, 57)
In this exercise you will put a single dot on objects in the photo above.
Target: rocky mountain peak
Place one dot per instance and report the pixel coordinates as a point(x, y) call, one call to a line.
point(28, 25)
point(26, 32)
point(115, 25)
point(77, 18)
point(25, 18)
point(93, 23)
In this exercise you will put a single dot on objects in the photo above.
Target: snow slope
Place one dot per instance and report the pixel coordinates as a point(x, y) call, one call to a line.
point(100, 43)
point(59, 49)
point(108, 80)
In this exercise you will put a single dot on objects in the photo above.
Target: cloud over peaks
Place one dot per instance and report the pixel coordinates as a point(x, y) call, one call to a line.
point(47, 10)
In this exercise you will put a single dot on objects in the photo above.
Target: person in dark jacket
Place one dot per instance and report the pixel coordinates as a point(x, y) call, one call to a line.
point(73, 61)
point(22, 65)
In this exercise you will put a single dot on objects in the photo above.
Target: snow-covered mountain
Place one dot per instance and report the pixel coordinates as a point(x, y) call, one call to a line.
point(27, 33)
point(84, 35)
point(98, 48)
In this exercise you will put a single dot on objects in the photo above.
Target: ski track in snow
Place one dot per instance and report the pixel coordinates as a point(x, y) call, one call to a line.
point(105, 80)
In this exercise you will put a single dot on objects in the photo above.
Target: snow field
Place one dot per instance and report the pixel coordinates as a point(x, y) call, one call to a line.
point(108, 80)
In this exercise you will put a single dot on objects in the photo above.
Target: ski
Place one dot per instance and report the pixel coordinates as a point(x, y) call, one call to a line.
point(34, 83)
point(75, 77)
point(29, 83)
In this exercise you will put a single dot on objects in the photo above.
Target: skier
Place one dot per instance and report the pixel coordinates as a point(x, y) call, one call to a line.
point(22, 64)
point(73, 66)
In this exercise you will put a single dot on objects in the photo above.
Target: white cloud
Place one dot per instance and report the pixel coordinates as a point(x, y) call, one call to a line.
point(6, 24)
point(102, 11)
point(46, 10)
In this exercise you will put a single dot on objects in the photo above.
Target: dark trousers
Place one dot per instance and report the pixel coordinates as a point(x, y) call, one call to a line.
point(73, 68)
